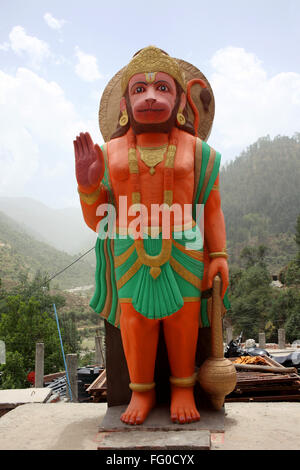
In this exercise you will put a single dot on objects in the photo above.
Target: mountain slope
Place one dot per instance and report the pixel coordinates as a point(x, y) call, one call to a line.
point(64, 229)
point(20, 252)
point(261, 197)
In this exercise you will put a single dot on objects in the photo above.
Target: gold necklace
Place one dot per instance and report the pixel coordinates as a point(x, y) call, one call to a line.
point(156, 261)
point(151, 156)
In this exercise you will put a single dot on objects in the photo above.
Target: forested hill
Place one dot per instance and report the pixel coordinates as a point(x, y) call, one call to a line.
point(261, 193)
point(21, 253)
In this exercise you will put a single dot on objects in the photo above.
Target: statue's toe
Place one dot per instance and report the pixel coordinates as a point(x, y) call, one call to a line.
point(132, 419)
point(140, 418)
point(185, 415)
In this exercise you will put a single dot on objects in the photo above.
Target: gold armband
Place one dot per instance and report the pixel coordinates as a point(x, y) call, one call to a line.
point(135, 387)
point(218, 254)
point(184, 381)
point(90, 198)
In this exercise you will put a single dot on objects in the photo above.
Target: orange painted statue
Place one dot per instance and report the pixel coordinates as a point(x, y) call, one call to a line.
point(145, 191)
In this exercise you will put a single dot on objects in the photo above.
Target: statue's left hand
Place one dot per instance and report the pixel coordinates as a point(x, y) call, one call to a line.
point(218, 266)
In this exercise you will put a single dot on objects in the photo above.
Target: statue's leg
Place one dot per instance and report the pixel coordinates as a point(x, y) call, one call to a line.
point(181, 333)
point(140, 339)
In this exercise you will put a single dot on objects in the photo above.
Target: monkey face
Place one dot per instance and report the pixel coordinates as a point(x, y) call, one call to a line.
point(152, 97)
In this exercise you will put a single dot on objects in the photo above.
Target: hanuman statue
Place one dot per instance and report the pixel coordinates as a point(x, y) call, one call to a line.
point(155, 162)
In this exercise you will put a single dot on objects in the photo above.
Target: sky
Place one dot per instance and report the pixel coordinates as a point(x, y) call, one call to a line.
point(57, 57)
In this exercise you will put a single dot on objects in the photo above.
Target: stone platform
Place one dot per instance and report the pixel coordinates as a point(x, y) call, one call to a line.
point(158, 431)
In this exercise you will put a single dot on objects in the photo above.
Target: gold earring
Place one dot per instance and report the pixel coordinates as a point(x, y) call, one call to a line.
point(124, 118)
point(180, 118)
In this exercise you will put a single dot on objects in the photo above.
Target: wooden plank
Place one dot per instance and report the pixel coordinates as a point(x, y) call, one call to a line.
point(263, 398)
point(267, 388)
point(98, 382)
point(272, 362)
point(259, 368)
point(265, 359)
point(257, 379)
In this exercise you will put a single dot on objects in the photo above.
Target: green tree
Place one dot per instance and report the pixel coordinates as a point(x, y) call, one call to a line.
point(252, 256)
point(291, 274)
point(13, 375)
point(251, 293)
point(23, 325)
point(297, 235)
point(39, 288)
point(285, 313)
point(257, 225)
point(27, 317)
point(292, 325)
point(251, 301)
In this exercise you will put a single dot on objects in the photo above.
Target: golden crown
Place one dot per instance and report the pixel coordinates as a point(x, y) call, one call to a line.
point(152, 59)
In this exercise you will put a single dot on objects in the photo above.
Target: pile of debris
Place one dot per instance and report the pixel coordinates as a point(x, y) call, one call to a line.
point(98, 388)
point(86, 377)
point(260, 377)
point(264, 379)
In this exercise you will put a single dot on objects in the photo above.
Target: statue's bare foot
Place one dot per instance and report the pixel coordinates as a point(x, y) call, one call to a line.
point(138, 409)
point(183, 408)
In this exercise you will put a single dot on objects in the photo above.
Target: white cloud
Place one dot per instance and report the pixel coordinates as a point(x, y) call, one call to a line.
point(52, 22)
point(87, 67)
point(35, 50)
point(249, 103)
point(21, 43)
point(38, 125)
point(4, 46)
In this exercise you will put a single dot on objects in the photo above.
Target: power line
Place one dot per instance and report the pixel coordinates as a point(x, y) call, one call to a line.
point(64, 269)
point(67, 267)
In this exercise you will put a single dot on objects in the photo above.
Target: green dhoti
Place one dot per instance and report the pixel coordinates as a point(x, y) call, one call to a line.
point(179, 279)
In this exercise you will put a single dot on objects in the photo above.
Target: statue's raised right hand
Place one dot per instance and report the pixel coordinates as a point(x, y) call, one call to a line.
point(89, 162)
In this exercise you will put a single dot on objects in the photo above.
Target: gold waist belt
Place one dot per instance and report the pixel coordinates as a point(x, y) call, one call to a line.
point(155, 230)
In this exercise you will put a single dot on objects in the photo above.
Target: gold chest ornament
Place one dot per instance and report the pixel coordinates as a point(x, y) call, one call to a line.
point(156, 261)
point(152, 156)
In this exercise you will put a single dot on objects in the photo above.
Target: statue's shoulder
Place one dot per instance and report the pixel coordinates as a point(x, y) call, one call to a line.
point(201, 147)
point(207, 164)
point(205, 153)
point(111, 151)
point(117, 144)
point(186, 138)
point(115, 151)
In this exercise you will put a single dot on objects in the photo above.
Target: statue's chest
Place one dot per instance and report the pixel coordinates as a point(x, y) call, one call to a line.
point(151, 164)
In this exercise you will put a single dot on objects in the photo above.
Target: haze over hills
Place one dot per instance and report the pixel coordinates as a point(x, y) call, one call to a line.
point(64, 229)
point(21, 253)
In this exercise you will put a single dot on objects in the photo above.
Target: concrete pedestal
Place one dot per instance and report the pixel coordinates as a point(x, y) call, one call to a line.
point(159, 419)
point(158, 431)
point(156, 440)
